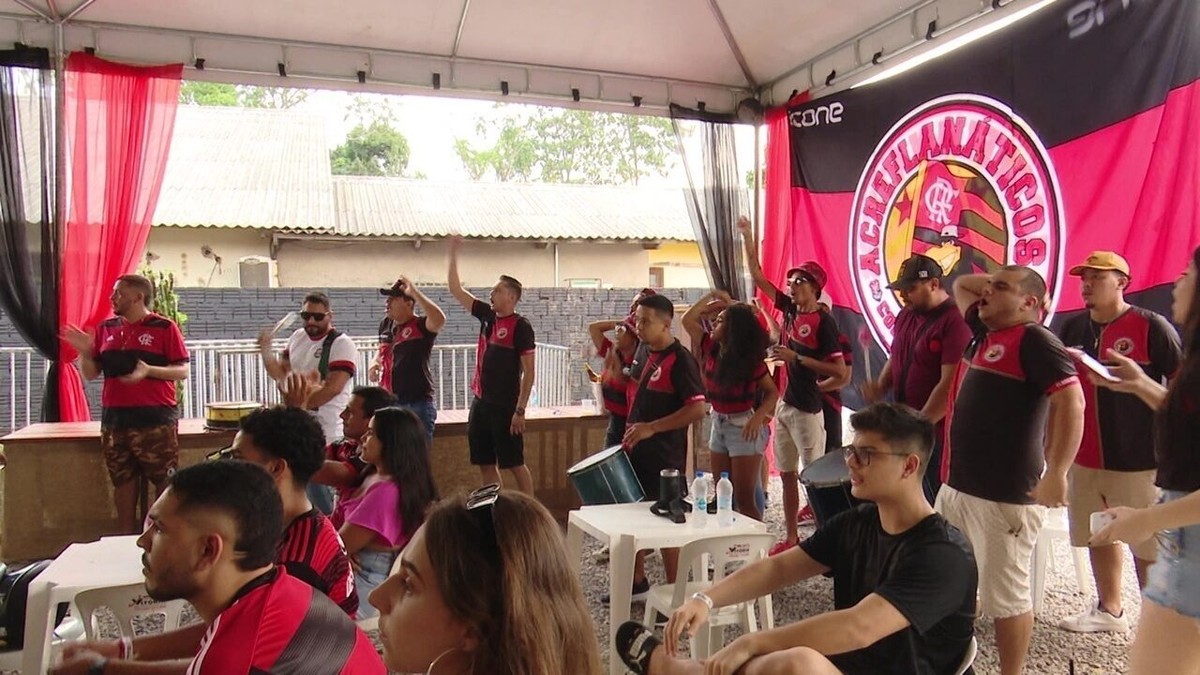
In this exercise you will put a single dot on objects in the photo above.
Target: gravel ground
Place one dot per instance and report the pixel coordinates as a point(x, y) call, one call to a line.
point(1050, 653)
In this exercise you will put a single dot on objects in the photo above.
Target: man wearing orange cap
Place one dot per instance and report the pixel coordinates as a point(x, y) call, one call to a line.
point(1115, 465)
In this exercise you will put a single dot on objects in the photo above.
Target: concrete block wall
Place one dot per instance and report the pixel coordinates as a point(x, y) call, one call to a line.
point(560, 316)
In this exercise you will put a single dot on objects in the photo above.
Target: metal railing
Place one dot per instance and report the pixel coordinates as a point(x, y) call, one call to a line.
point(232, 370)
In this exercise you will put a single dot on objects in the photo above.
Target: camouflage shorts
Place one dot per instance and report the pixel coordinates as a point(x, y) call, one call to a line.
point(152, 452)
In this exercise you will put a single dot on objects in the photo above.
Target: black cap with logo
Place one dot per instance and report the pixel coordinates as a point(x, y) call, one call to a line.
point(917, 268)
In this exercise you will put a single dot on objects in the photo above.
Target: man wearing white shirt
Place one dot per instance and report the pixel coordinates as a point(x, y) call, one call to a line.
point(326, 356)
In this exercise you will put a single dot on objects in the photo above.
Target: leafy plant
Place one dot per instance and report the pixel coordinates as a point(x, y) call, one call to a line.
point(166, 303)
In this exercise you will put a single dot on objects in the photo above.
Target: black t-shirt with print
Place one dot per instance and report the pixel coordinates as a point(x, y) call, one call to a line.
point(502, 343)
point(411, 345)
point(998, 406)
point(1117, 427)
point(811, 334)
point(667, 380)
point(927, 573)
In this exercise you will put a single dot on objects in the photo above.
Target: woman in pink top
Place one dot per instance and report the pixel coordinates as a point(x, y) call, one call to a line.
point(379, 518)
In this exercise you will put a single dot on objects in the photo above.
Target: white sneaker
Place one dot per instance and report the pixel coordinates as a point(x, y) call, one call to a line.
point(1096, 620)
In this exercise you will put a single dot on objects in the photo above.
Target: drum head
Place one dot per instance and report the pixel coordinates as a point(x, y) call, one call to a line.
point(592, 460)
point(829, 469)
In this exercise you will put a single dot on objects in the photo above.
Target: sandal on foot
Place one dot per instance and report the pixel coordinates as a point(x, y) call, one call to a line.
point(634, 645)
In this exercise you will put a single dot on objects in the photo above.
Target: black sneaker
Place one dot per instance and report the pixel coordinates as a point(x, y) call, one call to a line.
point(641, 590)
point(635, 643)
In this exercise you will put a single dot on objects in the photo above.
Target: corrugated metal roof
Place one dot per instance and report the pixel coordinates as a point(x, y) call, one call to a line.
point(399, 207)
point(242, 167)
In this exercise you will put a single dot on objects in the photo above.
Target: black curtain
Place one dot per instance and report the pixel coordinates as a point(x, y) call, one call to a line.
point(716, 197)
point(29, 234)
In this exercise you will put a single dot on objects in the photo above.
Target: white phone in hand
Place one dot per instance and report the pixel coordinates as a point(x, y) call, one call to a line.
point(1092, 364)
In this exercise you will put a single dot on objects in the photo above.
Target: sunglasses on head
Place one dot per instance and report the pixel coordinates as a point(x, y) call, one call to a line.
point(479, 503)
point(312, 316)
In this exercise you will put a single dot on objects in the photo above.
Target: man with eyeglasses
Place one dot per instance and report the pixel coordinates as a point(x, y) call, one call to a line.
point(1015, 419)
point(928, 341)
point(810, 348)
point(321, 353)
point(904, 579)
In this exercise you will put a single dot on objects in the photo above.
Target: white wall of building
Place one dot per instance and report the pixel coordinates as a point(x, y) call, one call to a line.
point(178, 250)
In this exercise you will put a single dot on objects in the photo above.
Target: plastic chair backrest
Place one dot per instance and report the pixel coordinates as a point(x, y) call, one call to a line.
point(969, 657)
point(126, 603)
point(724, 551)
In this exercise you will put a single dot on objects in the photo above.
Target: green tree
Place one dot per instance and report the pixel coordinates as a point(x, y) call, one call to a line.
point(569, 146)
point(376, 149)
point(193, 92)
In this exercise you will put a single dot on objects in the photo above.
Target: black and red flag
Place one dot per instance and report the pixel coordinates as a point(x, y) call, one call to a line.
point(1073, 130)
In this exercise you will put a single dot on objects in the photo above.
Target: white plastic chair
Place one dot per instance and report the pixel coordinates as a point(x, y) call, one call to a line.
point(1056, 529)
point(693, 558)
point(969, 658)
point(126, 603)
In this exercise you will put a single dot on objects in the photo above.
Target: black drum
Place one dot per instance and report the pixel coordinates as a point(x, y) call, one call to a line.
point(827, 484)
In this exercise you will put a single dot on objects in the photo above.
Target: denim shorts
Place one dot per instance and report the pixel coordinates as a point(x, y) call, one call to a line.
point(373, 569)
point(725, 437)
point(1174, 579)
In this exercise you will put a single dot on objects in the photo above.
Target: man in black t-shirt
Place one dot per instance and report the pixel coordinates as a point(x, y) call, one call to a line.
point(667, 397)
point(1014, 422)
point(410, 344)
point(904, 579)
point(503, 381)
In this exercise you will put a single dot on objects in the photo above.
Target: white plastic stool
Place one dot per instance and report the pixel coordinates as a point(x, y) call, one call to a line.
point(1056, 529)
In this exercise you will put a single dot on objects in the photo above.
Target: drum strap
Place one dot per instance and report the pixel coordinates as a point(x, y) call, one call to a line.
point(647, 372)
point(906, 362)
point(326, 348)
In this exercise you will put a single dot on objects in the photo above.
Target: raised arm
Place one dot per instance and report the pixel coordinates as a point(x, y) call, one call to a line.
point(277, 367)
point(83, 342)
point(968, 289)
point(752, 263)
point(597, 330)
point(435, 318)
point(461, 294)
point(692, 321)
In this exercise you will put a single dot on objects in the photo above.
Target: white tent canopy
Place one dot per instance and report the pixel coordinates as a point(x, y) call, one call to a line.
point(595, 55)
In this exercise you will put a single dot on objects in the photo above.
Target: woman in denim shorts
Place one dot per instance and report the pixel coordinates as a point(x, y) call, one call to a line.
point(1168, 636)
point(379, 518)
point(732, 354)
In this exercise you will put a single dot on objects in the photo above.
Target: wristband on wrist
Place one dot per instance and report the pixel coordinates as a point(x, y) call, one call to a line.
point(521, 411)
point(703, 597)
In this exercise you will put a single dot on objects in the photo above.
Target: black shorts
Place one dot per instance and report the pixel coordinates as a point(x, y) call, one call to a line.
point(489, 439)
point(648, 465)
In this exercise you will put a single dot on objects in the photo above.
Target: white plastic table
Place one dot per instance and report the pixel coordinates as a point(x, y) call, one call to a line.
point(110, 562)
point(627, 529)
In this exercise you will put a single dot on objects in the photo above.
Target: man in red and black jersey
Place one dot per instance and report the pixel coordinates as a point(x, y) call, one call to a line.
point(503, 381)
point(667, 397)
point(809, 347)
point(141, 355)
point(343, 466)
point(1015, 419)
point(928, 341)
point(409, 346)
point(1115, 465)
point(211, 539)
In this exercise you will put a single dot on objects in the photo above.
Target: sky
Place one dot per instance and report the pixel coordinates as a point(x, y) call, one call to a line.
point(432, 123)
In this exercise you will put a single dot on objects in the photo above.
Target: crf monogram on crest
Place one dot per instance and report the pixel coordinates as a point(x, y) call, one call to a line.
point(939, 199)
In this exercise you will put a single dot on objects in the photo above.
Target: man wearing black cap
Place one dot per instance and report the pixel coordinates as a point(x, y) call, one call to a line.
point(927, 342)
point(410, 344)
point(811, 350)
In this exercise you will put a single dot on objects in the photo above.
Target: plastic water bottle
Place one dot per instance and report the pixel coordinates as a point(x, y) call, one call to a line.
point(700, 500)
point(724, 500)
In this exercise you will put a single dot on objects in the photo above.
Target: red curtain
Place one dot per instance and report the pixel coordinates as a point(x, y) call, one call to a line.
point(118, 120)
point(777, 254)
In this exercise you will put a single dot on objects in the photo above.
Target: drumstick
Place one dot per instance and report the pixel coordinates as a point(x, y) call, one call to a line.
point(864, 341)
